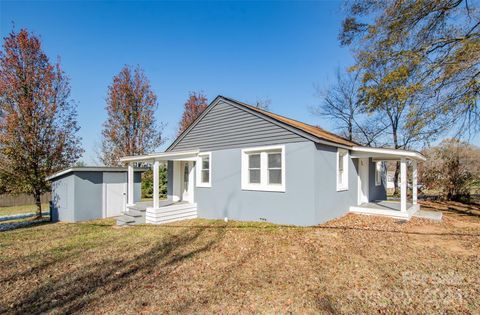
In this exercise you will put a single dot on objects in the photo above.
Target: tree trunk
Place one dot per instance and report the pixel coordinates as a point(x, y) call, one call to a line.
point(37, 196)
point(397, 164)
point(395, 178)
point(350, 129)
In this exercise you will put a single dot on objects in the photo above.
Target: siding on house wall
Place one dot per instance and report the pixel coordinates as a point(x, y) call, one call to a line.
point(310, 196)
point(330, 203)
point(375, 192)
point(227, 199)
point(227, 126)
point(63, 199)
point(137, 186)
point(88, 195)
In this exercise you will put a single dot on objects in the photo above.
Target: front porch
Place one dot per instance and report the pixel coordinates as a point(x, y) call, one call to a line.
point(179, 204)
point(402, 209)
point(386, 208)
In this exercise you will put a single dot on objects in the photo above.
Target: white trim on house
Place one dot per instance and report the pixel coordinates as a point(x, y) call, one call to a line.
point(104, 200)
point(363, 181)
point(385, 153)
point(92, 169)
point(264, 178)
point(199, 169)
point(163, 156)
point(342, 178)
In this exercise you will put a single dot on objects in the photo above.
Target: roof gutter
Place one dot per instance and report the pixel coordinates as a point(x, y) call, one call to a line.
point(389, 152)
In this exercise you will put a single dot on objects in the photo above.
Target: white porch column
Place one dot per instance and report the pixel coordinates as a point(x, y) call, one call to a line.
point(156, 173)
point(403, 185)
point(414, 183)
point(130, 184)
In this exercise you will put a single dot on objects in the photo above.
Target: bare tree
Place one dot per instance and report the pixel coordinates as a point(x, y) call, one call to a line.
point(434, 42)
point(341, 103)
point(451, 169)
point(263, 103)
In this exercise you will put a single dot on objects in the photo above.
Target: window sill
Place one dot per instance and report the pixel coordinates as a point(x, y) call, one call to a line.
point(204, 185)
point(342, 188)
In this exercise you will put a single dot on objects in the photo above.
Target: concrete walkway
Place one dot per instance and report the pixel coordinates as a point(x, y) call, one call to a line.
point(427, 214)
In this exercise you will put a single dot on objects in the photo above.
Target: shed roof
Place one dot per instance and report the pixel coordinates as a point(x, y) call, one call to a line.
point(92, 169)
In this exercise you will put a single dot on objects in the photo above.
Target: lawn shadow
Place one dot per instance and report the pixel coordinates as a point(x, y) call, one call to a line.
point(464, 212)
point(471, 209)
point(354, 228)
point(228, 274)
point(69, 293)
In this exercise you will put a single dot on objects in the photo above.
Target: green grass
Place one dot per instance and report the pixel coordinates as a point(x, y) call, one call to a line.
point(352, 265)
point(21, 209)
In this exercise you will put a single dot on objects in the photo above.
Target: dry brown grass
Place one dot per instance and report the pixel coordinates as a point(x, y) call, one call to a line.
point(355, 264)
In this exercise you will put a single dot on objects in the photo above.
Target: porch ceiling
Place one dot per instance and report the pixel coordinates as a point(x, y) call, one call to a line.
point(163, 156)
point(386, 154)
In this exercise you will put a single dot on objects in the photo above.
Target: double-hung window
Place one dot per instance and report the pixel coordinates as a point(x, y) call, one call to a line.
point(342, 169)
point(264, 168)
point(204, 170)
point(254, 170)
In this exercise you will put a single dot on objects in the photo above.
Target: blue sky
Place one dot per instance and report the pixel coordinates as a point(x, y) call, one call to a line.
point(244, 50)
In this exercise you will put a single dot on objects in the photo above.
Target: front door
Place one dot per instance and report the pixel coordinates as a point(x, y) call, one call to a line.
point(187, 182)
point(362, 181)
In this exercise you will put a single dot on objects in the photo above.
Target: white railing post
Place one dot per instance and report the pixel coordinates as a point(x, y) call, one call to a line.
point(130, 184)
point(414, 182)
point(156, 173)
point(403, 185)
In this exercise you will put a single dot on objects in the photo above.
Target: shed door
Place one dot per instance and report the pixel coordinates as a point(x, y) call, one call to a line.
point(115, 185)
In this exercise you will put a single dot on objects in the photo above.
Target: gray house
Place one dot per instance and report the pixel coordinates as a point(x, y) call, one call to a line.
point(87, 193)
point(239, 162)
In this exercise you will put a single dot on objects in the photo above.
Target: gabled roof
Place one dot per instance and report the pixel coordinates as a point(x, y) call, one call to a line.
point(313, 130)
point(313, 133)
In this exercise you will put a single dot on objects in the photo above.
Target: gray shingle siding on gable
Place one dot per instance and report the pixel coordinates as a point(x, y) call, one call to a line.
point(226, 126)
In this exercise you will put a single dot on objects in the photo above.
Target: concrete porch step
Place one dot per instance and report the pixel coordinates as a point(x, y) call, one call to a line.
point(134, 213)
point(125, 220)
point(137, 208)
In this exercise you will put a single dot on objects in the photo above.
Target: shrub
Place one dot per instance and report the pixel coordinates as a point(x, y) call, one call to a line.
point(451, 169)
point(147, 183)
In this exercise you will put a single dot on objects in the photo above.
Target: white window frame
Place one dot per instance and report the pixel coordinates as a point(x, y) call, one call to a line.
point(378, 173)
point(343, 185)
point(199, 169)
point(263, 185)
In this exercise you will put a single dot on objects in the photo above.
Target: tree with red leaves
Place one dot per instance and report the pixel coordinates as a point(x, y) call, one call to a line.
point(38, 123)
point(130, 128)
point(194, 106)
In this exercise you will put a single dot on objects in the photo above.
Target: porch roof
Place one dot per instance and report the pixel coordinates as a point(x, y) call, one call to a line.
point(162, 156)
point(386, 154)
